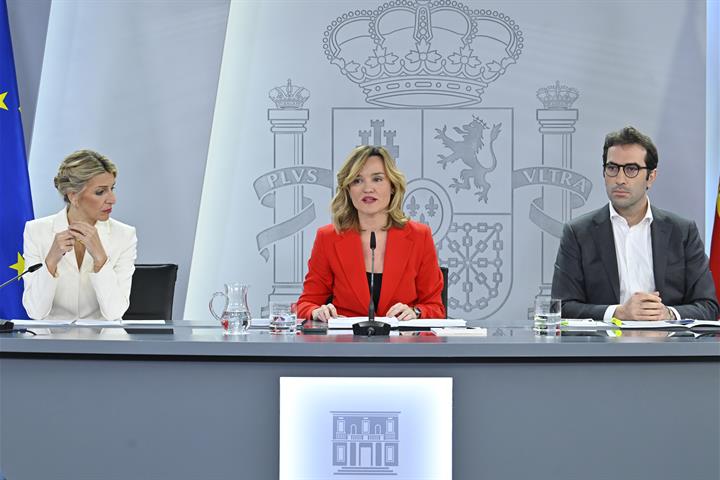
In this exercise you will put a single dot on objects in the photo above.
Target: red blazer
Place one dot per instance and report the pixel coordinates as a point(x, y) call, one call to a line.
point(411, 273)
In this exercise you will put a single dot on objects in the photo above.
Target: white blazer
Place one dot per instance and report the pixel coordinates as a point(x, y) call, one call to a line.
point(78, 293)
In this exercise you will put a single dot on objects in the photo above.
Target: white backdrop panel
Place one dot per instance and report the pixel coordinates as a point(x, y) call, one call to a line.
point(428, 80)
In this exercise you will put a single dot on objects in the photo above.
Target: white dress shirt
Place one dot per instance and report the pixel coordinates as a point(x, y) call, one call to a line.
point(633, 249)
point(78, 293)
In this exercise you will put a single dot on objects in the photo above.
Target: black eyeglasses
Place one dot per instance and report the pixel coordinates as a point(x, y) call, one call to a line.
point(630, 170)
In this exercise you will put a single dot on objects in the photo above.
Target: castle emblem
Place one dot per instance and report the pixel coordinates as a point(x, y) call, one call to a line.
point(435, 53)
point(377, 133)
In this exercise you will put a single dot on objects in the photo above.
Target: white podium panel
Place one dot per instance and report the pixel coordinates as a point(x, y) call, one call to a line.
point(365, 428)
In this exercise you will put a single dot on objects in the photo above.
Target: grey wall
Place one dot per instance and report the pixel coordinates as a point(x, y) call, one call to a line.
point(136, 81)
point(632, 62)
point(142, 82)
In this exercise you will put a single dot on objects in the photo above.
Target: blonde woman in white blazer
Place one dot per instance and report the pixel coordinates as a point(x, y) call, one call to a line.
point(88, 258)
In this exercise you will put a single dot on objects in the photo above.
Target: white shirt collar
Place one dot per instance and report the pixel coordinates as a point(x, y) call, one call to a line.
point(648, 218)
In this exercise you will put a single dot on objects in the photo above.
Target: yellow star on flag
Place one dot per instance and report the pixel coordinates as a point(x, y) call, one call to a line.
point(20, 265)
point(2, 100)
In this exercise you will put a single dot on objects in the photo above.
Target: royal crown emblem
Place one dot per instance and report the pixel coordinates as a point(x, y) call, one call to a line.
point(557, 97)
point(437, 53)
point(289, 96)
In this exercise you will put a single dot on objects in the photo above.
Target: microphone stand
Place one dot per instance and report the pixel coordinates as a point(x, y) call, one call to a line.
point(371, 327)
point(7, 325)
point(17, 277)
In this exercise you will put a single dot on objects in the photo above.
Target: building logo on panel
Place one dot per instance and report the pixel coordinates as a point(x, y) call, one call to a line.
point(407, 434)
point(365, 443)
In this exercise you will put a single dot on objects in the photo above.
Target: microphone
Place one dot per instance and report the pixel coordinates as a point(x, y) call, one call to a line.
point(30, 269)
point(371, 327)
point(7, 325)
point(371, 307)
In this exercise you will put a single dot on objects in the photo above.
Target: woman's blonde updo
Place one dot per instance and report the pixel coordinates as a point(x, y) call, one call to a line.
point(344, 213)
point(78, 168)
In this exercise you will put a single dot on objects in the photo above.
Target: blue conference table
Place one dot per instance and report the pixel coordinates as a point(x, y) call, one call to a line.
point(82, 403)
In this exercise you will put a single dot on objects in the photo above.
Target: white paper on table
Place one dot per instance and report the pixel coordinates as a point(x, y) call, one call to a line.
point(460, 332)
point(97, 323)
point(83, 323)
point(583, 323)
point(41, 323)
point(347, 322)
point(143, 322)
point(665, 324)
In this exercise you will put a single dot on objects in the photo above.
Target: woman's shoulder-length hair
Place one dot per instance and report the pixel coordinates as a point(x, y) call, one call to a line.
point(344, 213)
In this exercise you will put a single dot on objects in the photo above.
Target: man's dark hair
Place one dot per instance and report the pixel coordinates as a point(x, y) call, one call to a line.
point(632, 136)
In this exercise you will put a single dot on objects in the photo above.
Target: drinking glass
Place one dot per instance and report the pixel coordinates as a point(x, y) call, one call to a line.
point(546, 321)
point(283, 318)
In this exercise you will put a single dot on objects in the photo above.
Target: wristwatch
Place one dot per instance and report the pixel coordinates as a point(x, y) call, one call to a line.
point(417, 311)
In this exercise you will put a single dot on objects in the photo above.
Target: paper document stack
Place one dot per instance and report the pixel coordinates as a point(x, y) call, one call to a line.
point(668, 324)
point(347, 322)
point(460, 332)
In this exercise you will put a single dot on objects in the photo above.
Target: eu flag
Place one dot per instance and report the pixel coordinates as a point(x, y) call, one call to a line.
point(15, 199)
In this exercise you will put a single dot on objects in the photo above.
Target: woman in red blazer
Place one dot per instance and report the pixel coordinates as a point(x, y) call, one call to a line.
point(408, 281)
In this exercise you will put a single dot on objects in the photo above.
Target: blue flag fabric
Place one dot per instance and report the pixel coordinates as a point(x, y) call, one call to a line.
point(15, 200)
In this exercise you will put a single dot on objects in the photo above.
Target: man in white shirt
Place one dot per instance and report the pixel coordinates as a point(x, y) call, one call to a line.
point(630, 260)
